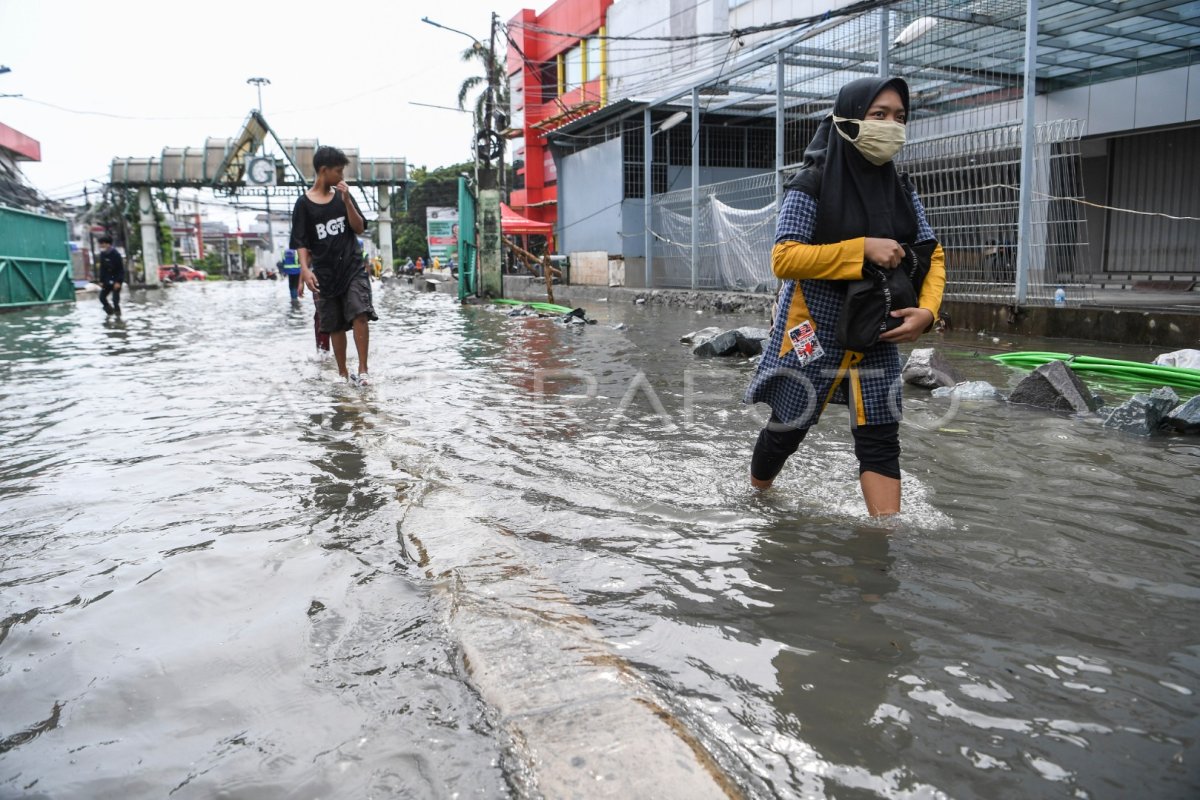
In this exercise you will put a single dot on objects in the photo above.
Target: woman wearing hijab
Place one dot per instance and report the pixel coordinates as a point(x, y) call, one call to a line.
point(845, 208)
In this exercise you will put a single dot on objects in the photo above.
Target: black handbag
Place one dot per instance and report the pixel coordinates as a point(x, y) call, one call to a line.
point(867, 309)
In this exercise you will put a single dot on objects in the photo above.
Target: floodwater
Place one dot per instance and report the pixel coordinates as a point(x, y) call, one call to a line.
point(224, 574)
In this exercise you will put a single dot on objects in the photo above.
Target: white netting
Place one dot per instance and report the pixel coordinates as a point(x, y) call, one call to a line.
point(735, 229)
point(746, 236)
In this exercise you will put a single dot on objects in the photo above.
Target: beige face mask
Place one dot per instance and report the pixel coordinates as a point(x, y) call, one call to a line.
point(879, 140)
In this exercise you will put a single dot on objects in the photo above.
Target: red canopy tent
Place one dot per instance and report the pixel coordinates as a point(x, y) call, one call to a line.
point(512, 222)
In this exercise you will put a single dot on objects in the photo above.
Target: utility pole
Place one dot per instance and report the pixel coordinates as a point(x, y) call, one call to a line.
point(91, 238)
point(199, 228)
point(489, 102)
point(488, 151)
point(491, 256)
point(259, 83)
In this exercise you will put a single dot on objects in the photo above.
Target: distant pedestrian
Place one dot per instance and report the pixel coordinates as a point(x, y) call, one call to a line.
point(112, 275)
point(846, 212)
point(326, 223)
point(290, 266)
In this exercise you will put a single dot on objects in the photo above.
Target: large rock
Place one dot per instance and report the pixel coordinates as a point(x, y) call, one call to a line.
point(1055, 386)
point(722, 344)
point(752, 340)
point(1164, 399)
point(928, 368)
point(1142, 414)
point(969, 390)
point(1185, 418)
point(696, 337)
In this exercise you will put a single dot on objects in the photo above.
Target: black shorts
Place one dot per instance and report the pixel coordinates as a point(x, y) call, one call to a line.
point(338, 313)
point(876, 446)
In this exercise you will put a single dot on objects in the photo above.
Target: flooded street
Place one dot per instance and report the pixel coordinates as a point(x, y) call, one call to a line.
point(225, 574)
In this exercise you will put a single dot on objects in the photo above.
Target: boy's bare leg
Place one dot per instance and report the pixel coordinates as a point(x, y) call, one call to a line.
point(881, 493)
point(338, 340)
point(362, 342)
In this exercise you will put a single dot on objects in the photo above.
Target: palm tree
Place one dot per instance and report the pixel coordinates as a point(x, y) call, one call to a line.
point(477, 52)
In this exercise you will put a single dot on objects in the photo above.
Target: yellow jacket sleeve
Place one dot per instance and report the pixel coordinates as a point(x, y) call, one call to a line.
point(935, 283)
point(841, 261)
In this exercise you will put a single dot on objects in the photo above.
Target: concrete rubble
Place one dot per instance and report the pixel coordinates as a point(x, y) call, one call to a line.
point(1143, 413)
point(1185, 418)
point(1054, 386)
point(695, 337)
point(969, 390)
point(928, 368)
point(745, 341)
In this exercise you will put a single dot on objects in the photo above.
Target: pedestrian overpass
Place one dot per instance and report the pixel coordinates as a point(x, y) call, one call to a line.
point(236, 166)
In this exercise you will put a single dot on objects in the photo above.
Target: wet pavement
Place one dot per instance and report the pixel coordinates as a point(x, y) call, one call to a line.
point(528, 559)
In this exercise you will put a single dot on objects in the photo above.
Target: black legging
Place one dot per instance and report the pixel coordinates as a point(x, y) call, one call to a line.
point(877, 448)
point(116, 299)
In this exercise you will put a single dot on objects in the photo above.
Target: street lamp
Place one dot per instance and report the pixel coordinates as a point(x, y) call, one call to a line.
point(428, 21)
point(259, 83)
point(672, 121)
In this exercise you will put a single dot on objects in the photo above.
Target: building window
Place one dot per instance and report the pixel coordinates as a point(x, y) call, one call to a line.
point(634, 171)
point(593, 59)
point(760, 148)
point(518, 168)
point(573, 75)
point(548, 90)
point(635, 180)
point(517, 106)
point(726, 146)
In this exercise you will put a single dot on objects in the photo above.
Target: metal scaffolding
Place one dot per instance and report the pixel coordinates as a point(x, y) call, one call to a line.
point(1002, 192)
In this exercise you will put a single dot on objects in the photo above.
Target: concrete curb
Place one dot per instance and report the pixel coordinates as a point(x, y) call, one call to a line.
point(577, 718)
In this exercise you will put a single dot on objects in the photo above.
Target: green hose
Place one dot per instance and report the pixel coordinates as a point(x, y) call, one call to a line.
point(549, 307)
point(1178, 377)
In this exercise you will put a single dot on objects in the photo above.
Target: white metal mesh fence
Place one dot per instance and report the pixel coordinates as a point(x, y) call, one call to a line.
point(969, 183)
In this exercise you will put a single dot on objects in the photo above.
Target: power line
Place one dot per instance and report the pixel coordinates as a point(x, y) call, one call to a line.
point(121, 116)
point(732, 33)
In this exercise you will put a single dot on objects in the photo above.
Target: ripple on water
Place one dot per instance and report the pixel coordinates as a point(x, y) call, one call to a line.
point(227, 573)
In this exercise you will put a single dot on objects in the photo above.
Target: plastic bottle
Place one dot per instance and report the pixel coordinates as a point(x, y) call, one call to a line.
point(1060, 297)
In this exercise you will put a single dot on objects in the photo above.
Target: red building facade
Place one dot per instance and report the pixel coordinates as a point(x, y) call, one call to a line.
point(552, 80)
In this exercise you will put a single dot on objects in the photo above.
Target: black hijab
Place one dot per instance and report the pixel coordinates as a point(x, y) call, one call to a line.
point(855, 197)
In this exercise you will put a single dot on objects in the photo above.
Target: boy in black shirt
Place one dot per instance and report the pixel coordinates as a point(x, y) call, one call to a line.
point(112, 275)
point(326, 224)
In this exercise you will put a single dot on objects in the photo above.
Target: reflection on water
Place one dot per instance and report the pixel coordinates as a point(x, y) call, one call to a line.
point(222, 573)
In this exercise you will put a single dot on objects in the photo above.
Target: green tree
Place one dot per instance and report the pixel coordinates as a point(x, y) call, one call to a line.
point(426, 188)
point(211, 263)
point(411, 243)
point(117, 212)
point(479, 54)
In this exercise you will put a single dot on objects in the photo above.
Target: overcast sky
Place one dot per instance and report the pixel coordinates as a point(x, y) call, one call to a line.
point(174, 73)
